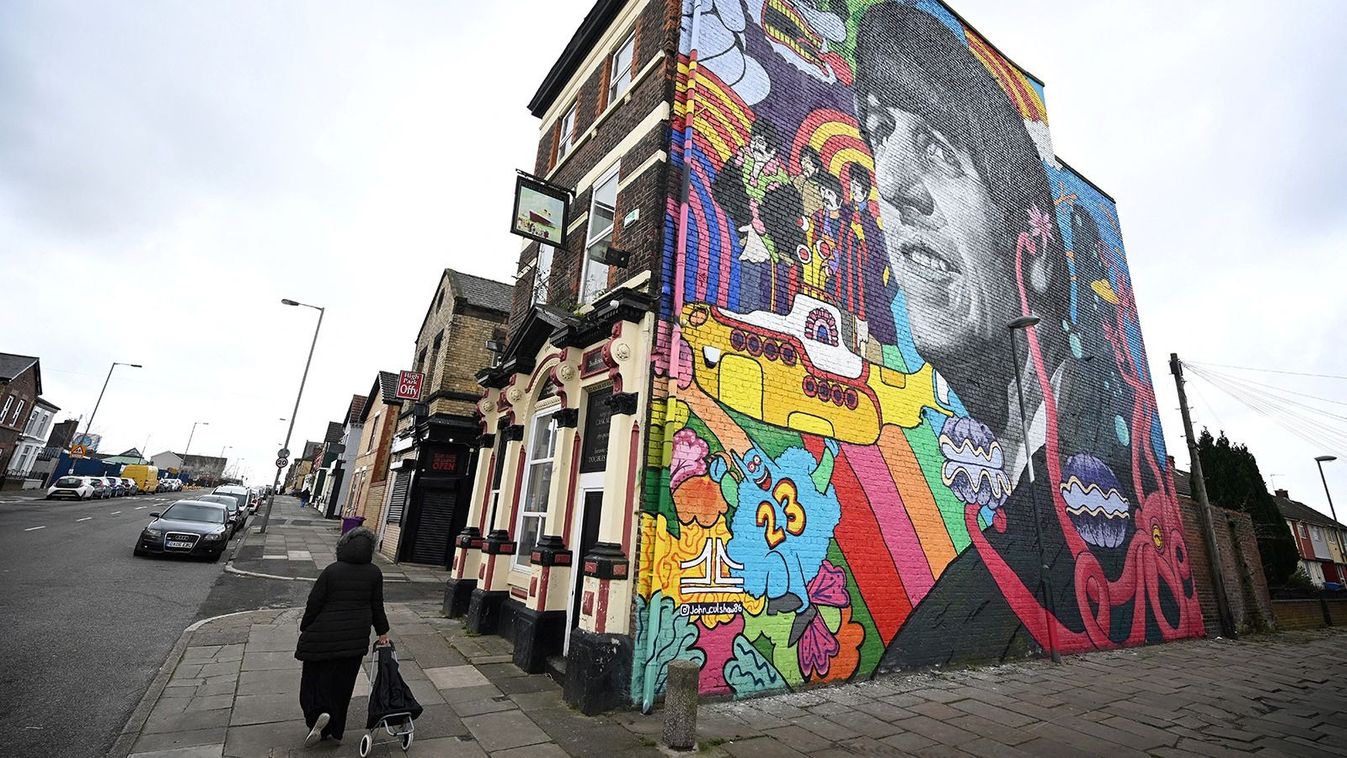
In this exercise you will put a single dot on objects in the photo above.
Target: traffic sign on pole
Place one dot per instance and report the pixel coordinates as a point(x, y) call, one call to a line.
point(282, 462)
point(283, 452)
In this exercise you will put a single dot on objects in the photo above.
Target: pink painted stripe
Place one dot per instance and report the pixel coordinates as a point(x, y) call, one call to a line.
point(894, 524)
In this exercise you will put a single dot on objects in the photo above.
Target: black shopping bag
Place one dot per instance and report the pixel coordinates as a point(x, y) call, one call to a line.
point(390, 697)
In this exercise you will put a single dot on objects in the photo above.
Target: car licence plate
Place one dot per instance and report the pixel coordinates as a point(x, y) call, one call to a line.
point(177, 544)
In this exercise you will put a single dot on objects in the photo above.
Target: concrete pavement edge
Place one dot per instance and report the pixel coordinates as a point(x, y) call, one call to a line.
point(126, 739)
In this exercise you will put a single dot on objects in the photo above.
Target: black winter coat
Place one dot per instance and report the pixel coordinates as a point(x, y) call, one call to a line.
point(345, 602)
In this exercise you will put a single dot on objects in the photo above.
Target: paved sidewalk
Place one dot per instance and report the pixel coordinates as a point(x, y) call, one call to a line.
point(234, 692)
point(300, 543)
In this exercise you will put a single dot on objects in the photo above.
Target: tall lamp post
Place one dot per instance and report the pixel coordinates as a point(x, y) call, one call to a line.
point(1321, 460)
point(1044, 580)
point(99, 402)
point(266, 515)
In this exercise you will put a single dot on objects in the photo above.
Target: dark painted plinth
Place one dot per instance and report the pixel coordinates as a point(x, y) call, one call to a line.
point(457, 596)
point(538, 635)
point(598, 671)
point(484, 611)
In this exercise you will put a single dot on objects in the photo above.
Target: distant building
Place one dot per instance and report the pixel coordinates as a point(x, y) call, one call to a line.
point(194, 469)
point(1321, 542)
point(57, 441)
point(345, 462)
point(369, 477)
point(20, 388)
point(31, 444)
point(434, 450)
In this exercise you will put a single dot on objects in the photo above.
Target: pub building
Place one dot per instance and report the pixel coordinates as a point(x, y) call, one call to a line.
point(547, 557)
point(548, 553)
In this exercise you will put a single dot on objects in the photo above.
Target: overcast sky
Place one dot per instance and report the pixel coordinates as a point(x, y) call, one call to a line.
point(170, 170)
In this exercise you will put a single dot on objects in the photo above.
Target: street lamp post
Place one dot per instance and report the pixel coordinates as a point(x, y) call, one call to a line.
point(1044, 580)
point(1321, 460)
point(89, 426)
point(266, 515)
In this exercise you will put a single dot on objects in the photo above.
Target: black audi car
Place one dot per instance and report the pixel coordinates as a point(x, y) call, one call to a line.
point(187, 527)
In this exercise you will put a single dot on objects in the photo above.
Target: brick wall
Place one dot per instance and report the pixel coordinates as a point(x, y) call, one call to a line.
point(1241, 568)
point(1310, 613)
point(655, 37)
point(849, 235)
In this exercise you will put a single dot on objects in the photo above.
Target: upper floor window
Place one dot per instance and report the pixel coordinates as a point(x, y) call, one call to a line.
point(373, 427)
point(9, 400)
point(439, 301)
point(620, 79)
point(421, 361)
point(542, 271)
point(566, 139)
point(602, 206)
point(18, 412)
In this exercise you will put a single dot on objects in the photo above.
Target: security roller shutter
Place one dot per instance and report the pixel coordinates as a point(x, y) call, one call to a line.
point(434, 523)
point(398, 502)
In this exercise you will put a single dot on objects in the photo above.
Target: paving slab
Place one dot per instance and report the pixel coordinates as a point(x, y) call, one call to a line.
point(501, 731)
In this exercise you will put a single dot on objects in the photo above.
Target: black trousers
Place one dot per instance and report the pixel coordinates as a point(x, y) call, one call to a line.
point(326, 687)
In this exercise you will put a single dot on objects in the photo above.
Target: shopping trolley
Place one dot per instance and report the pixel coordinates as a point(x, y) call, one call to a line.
point(392, 708)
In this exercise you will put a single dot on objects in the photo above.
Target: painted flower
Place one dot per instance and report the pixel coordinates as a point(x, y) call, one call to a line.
point(688, 458)
point(819, 645)
point(1040, 223)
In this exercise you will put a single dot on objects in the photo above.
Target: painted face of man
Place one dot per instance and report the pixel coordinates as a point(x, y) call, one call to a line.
point(941, 229)
point(808, 165)
point(829, 198)
point(760, 149)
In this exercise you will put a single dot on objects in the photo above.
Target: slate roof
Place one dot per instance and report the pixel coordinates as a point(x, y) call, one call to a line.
point(1294, 510)
point(388, 386)
point(12, 365)
point(334, 432)
point(483, 293)
point(354, 411)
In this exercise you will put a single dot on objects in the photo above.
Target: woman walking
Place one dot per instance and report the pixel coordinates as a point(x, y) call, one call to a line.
point(345, 602)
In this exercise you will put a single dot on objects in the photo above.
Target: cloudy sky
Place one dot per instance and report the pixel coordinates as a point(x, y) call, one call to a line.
point(169, 171)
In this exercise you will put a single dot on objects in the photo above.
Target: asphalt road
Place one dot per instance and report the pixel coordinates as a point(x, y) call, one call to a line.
point(88, 625)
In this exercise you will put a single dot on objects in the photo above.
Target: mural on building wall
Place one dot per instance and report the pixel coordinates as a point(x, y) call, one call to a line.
point(845, 485)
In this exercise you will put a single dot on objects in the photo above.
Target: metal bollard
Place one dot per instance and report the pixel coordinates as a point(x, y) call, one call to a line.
point(680, 705)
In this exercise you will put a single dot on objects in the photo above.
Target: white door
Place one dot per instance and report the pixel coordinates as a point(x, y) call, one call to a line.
point(588, 501)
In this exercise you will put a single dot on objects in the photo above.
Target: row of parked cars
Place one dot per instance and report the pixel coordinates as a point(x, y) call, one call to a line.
point(200, 526)
point(103, 487)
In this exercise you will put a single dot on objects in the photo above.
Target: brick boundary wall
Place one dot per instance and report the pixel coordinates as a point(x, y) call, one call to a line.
point(1310, 613)
point(1241, 565)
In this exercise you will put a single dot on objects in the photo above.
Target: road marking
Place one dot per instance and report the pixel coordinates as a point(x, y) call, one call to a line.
point(114, 513)
point(141, 507)
point(86, 518)
point(34, 528)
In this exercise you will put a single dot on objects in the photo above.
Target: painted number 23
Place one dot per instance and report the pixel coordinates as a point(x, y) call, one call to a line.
point(784, 493)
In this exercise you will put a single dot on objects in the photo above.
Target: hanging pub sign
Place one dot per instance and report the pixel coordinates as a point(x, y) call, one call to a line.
point(540, 210)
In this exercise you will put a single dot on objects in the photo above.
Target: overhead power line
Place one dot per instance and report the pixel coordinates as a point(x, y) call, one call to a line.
point(1268, 370)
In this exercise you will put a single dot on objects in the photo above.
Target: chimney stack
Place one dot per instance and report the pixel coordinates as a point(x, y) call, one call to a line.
point(1282, 494)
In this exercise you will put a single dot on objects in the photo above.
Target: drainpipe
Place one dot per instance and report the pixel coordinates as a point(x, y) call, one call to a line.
point(676, 298)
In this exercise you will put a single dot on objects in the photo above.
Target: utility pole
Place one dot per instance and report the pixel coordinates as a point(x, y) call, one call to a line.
point(1199, 486)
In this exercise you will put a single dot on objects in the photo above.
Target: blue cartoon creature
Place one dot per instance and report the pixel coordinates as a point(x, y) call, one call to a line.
point(786, 510)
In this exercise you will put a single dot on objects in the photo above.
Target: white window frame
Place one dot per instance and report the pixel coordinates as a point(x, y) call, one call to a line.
point(9, 400)
point(542, 272)
point(544, 419)
point(593, 236)
point(18, 411)
point(620, 80)
point(566, 137)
